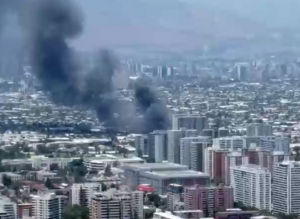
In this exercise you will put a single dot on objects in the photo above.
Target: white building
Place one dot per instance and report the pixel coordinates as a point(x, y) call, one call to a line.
point(259, 129)
point(286, 187)
point(174, 137)
point(82, 193)
point(186, 146)
point(165, 215)
point(197, 153)
point(112, 204)
point(158, 145)
point(252, 186)
point(47, 206)
point(9, 207)
point(231, 143)
point(189, 121)
point(275, 143)
point(138, 203)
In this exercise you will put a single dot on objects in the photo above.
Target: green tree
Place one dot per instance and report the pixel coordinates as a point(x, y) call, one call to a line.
point(76, 212)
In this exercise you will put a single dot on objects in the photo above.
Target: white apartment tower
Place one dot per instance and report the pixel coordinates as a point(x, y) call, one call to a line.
point(197, 153)
point(138, 204)
point(186, 158)
point(9, 207)
point(189, 121)
point(112, 204)
point(174, 137)
point(47, 206)
point(158, 145)
point(230, 143)
point(286, 187)
point(252, 186)
point(82, 193)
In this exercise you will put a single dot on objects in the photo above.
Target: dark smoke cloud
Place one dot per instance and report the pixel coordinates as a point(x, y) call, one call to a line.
point(54, 23)
point(154, 111)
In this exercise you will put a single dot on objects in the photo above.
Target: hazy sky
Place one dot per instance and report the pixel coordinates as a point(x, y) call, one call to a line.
point(113, 23)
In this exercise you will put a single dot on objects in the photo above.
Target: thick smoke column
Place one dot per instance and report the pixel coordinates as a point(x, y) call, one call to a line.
point(54, 23)
point(154, 111)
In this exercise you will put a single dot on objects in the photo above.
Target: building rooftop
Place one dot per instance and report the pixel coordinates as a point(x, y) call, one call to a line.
point(155, 166)
point(251, 168)
point(177, 174)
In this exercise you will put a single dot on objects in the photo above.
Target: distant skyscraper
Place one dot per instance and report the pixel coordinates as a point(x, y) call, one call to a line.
point(275, 143)
point(186, 149)
point(189, 122)
point(208, 199)
point(82, 193)
point(8, 207)
point(139, 143)
point(174, 195)
point(197, 154)
point(47, 206)
point(285, 188)
point(264, 158)
point(252, 186)
point(158, 145)
point(174, 137)
point(259, 129)
point(112, 204)
point(231, 143)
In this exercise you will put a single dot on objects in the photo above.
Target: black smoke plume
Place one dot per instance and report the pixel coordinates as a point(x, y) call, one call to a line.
point(151, 107)
point(54, 23)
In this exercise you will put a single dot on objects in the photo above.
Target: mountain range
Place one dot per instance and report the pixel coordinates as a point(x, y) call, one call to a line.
point(183, 23)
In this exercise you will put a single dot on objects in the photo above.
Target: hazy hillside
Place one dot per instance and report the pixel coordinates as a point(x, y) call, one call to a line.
point(180, 23)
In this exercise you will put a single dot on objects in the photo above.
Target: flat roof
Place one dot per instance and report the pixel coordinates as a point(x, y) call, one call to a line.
point(177, 174)
point(157, 166)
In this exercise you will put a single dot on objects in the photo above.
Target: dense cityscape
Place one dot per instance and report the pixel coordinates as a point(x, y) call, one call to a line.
point(162, 135)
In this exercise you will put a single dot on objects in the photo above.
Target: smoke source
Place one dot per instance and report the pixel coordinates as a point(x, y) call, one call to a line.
point(54, 23)
point(154, 111)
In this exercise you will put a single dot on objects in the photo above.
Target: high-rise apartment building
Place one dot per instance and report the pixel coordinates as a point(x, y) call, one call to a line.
point(48, 206)
point(82, 193)
point(138, 204)
point(112, 204)
point(285, 187)
point(230, 143)
point(189, 121)
point(174, 196)
point(197, 154)
point(259, 129)
point(265, 158)
point(158, 145)
point(208, 199)
point(275, 143)
point(186, 149)
point(252, 186)
point(139, 143)
point(174, 137)
point(9, 207)
point(218, 163)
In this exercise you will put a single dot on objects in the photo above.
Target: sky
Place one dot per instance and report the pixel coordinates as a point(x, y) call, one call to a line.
point(187, 23)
